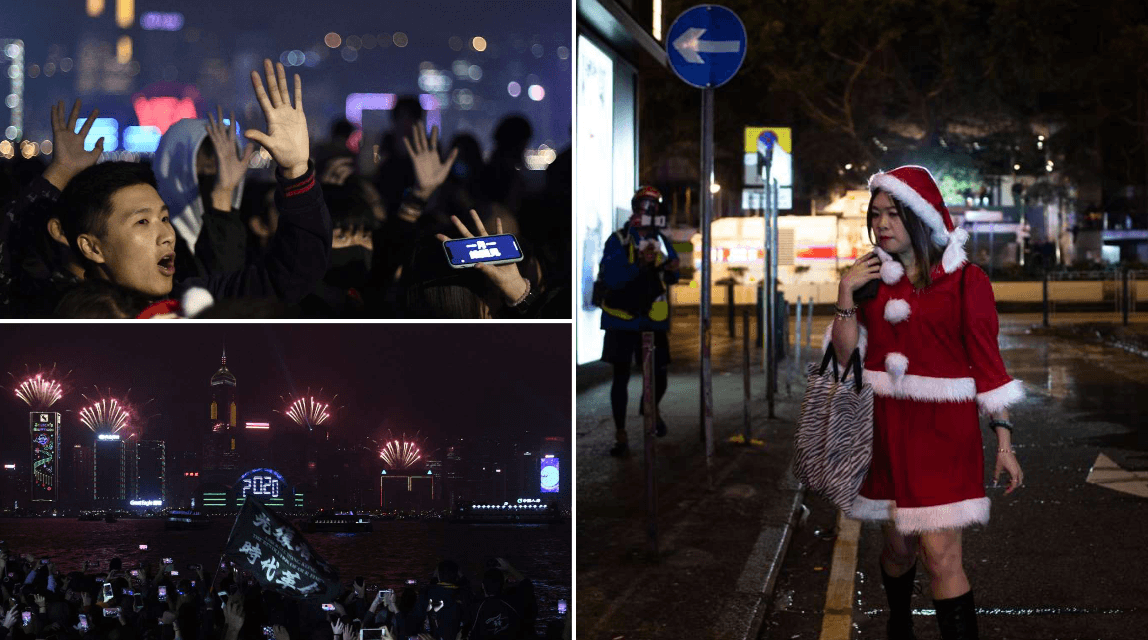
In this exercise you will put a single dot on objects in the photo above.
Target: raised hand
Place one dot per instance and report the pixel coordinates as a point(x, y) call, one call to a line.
point(286, 138)
point(10, 618)
point(504, 276)
point(430, 170)
point(281, 632)
point(233, 614)
point(337, 627)
point(232, 166)
point(337, 171)
point(68, 155)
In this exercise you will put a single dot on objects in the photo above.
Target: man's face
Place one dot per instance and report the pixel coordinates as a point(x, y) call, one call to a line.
point(138, 250)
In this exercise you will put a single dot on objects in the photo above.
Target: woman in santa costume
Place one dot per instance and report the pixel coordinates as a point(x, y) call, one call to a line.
point(928, 341)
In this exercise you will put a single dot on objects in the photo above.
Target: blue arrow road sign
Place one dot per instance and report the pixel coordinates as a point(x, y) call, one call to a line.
point(706, 45)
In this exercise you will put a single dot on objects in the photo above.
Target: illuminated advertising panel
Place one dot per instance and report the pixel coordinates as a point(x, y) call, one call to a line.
point(549, 475)
point(45, 441)
point(772, 146)
point(267, 484)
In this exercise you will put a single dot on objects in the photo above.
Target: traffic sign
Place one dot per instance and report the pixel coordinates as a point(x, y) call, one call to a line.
point(706, 45)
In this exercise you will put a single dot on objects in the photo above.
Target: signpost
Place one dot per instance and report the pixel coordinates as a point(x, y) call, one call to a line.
point(706, 46)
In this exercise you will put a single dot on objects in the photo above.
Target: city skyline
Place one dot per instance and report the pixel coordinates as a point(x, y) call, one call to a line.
point(497, 383)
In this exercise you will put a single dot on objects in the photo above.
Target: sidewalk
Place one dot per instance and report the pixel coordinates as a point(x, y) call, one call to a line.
point(722, 532)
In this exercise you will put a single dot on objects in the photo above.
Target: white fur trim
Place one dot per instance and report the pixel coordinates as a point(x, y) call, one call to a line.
point(955, 254)
point(896, 364)
point(896, 310)
point(922, 388)
point(1001, 397)
point(910, 198)
point(868, 509)
point(943, 516)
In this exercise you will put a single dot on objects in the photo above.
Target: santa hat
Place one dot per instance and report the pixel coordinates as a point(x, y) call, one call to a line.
point(915, 188)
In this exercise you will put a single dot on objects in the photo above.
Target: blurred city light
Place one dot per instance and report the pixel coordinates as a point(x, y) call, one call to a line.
point(333, 40)
point(106, 128)
point(142, 139)
point(536, 92)
point(514, 89)
point(95, 8)
point(357, 103)
point(478, 43)
point(563, 53)
point(400, 39)
point(349, 54)
point(475, 72)
point(46, 147)
point(125, 13)
point(124, 50)
point(455, 43)
point(159, 21)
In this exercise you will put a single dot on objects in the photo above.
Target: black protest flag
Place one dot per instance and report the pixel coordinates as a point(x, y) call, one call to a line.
point(272, 549)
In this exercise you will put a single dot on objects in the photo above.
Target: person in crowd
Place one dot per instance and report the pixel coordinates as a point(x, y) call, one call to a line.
point(115, 220)
point(638, 263)
point(448, 602)
point(502, 175)
point(928, 343)
point(199, 175)
point(494, 617)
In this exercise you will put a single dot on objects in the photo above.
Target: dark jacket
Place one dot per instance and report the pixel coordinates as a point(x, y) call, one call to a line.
point(496, 619)
point(297, 257)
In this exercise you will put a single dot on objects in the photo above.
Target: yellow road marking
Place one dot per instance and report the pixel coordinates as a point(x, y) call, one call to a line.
point(837, 623)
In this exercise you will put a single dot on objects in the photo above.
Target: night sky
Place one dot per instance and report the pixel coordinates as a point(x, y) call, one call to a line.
point(527, 42)
point(443, 380)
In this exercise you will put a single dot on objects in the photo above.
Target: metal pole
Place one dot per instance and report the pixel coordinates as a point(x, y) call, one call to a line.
point(745, 372)
point(1126, 299)
point(1045, 296)
point(707, 410)
point(797, 336)
point(650, 411)
point(771, 295)
point(730, 309)
point(766, 263)
point(809, 328)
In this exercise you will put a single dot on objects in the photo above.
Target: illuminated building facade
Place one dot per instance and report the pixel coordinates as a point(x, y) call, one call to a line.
point(220, 453)
point(109, 470)
point(407, 490)
point(151, 471)
point(45, 428)
point(82, 474)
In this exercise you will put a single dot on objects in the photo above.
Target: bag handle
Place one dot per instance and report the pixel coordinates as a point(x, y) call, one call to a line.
point(854, 365)
point(830, 356)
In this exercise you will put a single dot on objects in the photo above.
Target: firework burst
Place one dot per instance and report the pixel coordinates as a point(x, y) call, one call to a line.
point(400, 452)
point(307, 411)
point(105, 415)
point(39, 390)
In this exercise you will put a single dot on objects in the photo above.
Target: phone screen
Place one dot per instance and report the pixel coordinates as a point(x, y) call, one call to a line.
point(107, 591)
point(27, 617)
point(561, 607)
point(167, 560)
point(370, 634)
point(327, 606)
point(112, 612)
point(163, 594)
point(174, 572)
point(411, 581)
point(269, 633)
point(470, 251)
point(135, 573)
point(143, 547)
point(83, 622)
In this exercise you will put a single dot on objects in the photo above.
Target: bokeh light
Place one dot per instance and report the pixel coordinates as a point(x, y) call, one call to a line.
point(478, 43)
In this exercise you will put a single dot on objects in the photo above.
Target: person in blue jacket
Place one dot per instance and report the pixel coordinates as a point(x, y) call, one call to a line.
point(637, 265)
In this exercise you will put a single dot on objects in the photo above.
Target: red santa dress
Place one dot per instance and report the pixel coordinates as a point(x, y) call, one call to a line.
point(932, 358)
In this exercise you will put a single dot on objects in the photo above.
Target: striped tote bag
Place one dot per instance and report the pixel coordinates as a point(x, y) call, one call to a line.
point(834, 441)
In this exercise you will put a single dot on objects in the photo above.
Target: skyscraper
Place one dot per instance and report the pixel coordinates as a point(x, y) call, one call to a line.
point(109, 470)
point(223, 396)
point(82, 474)
point(151, 465)
point(45, 428)
point(220, 456)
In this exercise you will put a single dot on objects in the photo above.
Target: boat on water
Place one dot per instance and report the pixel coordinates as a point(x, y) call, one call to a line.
point(341, 522)
point(529, 512)
point(180, 520)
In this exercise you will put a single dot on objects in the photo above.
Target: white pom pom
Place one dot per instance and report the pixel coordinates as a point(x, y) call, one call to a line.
point(892, 272)
point(955, 254)
point(195, 301)
point(896, 364)
point(896, 310)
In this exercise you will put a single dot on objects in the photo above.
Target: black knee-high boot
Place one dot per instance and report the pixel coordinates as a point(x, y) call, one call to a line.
point(957, 617)
point(899, 590)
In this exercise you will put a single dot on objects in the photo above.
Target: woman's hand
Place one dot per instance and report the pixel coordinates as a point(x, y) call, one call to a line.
point(430, 171)
point(231, 166)
point(504, 276)
point(1008, 462)
point(286, 138)
point(866, 269)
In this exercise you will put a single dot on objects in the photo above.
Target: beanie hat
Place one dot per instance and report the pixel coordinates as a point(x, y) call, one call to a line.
point(915, 188)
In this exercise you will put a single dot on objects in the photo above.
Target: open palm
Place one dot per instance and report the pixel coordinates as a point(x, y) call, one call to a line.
point(430, 170)
point(286, 138)
point(232, 166)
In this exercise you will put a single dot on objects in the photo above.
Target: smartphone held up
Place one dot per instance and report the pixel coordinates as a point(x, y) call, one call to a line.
point(468, 252)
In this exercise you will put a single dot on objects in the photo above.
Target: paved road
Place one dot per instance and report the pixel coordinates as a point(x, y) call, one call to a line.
point(1061, 558)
